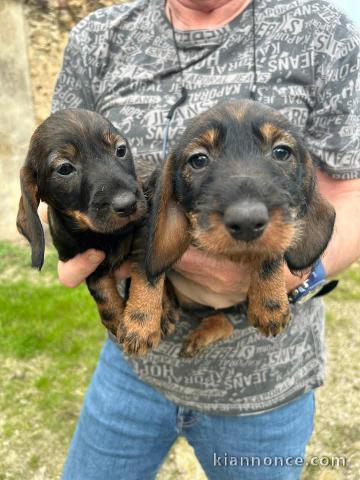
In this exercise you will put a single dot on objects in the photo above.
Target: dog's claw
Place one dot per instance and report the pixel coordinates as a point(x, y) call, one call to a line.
point(137, 338)
point(269, 323)
point(192, 345)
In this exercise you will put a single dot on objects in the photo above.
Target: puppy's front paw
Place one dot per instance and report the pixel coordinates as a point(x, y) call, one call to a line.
point(270, 316)
point(193, 344)
point(139, 331)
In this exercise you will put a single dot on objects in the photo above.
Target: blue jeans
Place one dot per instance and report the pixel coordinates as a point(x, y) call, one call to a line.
point(126, 428)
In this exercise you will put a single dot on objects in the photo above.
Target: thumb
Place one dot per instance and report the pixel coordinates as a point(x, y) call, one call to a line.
point(43, 212)
point(74, 271)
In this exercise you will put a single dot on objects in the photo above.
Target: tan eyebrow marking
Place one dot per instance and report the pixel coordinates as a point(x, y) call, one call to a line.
point(272, 133)
point(111, 139)
point(210, 136)
point(66, 151)
point(206, 140)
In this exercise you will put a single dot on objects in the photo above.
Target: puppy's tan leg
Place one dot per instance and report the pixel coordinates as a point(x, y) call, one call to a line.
point(140, 328)
point(268, 304)
point(107, 298)
point(211, 329)
point(170, 311)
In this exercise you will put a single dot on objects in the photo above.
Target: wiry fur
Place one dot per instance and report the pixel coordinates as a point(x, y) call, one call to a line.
point(82, 215)
point(240, 140)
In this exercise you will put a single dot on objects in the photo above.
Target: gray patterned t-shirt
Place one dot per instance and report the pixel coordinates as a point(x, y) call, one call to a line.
point(121, 62)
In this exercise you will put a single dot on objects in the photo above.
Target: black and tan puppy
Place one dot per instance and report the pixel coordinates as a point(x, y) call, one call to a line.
point(240, 184)
point(82, 167)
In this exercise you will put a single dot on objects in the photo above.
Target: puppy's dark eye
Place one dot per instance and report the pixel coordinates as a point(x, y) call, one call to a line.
point(65, 169)
point(121, 151)
point(198, 161)
point(282, 152)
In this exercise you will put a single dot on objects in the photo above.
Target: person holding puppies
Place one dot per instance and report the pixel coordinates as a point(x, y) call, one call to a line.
point(150, 68)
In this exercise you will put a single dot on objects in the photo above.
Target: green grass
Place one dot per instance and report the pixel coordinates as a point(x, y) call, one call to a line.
point(15, 265)
point(40, 316)
point(53, 321)
point(349, 285)
point(50, 318)
point(14, 255)
point(50, 338)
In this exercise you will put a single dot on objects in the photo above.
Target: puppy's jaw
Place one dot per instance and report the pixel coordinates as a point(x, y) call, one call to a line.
point(216, 240)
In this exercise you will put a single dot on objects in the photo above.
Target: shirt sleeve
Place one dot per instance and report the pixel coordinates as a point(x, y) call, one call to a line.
point(333, 128)
point(73, 85)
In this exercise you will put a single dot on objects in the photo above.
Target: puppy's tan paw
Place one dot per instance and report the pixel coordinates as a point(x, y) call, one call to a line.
point(270, 316)
point(139, 331)
point(193, 344)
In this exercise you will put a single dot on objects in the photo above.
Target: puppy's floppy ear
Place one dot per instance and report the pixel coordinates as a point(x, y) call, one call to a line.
point(169, 231)
point(317, 224)
point(28, 221)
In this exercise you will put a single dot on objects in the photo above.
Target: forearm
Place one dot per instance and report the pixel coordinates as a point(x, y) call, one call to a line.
point(344, 246)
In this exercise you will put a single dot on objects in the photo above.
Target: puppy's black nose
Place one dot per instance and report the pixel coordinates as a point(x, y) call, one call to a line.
point(124, 204)
point(246, 220)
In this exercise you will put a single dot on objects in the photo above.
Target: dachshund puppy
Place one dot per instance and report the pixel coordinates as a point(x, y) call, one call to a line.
point(82, 167)
point(240, 184)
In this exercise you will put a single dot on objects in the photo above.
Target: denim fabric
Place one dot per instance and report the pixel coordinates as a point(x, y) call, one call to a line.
point(126, 428)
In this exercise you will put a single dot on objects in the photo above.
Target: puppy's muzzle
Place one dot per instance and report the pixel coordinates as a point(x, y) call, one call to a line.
point(246, 220)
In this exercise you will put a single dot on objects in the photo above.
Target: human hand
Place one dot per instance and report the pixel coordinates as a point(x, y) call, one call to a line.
point(43, 212)
point(77, 269)
point(218, 283)
point(204, 279)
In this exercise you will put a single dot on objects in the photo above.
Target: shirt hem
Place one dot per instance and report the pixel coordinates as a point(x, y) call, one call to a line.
point(228, 408)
